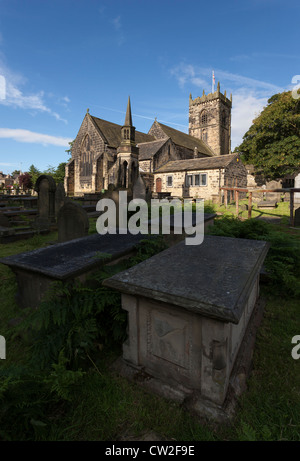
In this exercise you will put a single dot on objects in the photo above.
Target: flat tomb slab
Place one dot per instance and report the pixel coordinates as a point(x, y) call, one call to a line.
point(37, 270)
point(267, 204)
point(68, 259)
point(210, 279)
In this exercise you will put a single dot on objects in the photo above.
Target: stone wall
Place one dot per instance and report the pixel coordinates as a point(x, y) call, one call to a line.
point(215, 178)
point(234, 175)
point(86, 184)
point(177, 152)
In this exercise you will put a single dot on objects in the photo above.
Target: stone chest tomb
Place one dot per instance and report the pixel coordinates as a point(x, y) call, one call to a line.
point(188, 310)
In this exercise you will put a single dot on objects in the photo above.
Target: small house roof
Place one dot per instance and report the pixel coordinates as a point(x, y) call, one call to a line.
point(147, 150)
point(209, 163)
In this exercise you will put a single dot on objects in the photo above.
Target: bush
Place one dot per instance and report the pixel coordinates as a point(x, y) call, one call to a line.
point(283, 258)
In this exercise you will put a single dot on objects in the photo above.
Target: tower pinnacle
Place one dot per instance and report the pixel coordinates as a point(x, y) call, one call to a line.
point(128, 118)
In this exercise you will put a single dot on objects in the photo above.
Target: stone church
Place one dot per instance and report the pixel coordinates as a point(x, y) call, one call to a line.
point(105, 153)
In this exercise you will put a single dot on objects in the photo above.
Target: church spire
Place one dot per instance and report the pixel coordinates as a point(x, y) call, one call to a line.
point(128, 130)
point(128, 118)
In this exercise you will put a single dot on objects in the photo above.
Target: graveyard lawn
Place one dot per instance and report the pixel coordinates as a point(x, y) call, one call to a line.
point(104, 406)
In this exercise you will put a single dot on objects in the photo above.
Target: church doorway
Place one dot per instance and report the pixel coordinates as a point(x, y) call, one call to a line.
point(158, 185)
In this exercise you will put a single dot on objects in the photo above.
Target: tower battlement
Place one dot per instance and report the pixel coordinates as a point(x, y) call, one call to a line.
point(210, 120)
point(210, 97)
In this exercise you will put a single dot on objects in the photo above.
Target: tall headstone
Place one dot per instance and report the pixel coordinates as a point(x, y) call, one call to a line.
point(60, 196)
point(297, 186)
point(139, 189)
point(72, 221)
point(45, 187)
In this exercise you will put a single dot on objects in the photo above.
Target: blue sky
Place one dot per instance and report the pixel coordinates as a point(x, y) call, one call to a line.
point(58, 58)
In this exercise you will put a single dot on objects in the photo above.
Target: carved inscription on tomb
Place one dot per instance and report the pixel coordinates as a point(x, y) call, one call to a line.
point(168, 338)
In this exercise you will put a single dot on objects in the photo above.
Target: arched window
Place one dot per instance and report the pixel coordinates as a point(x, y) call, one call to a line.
point(204, 118)
point(223, 118)
point(86, 157)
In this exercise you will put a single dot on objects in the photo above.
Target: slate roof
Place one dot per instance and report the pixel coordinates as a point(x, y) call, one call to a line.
point(210, 163)
point(147, 150)
point(112, 132)
point(185, 140)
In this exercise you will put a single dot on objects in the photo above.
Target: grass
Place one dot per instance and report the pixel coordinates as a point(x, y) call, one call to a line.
point(282, 210)
point(105, 406)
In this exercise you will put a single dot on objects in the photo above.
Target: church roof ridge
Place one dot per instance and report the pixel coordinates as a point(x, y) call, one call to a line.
point(112, 132)
point(186, 140)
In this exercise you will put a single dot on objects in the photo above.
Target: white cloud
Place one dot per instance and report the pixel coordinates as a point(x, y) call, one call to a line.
point(15, 97)
point(27, 136)
point(246, 106)
point(249, 95)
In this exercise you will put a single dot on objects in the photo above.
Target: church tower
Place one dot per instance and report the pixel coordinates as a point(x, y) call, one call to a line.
point(210, 120)
point(127, 153)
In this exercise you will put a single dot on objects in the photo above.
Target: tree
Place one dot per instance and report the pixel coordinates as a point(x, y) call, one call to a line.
point(34, 172)
point(58, 173)
point(272, 143)
point(25, 181)
point(69, 151)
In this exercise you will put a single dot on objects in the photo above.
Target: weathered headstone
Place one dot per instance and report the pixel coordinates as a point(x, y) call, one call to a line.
point(72, 221)
point(273, 196)
point(297, 186)
point(139, 189)
point(60, 196)
point(45, 187)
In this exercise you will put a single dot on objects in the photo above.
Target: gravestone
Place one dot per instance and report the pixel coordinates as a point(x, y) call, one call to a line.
point(113, 194)
point(189, 309)
point(139, 189)
point(72, 221)
point(297, 217)
point(273, 196)
point(60, 196)
point(297, 186)
point(45, 187)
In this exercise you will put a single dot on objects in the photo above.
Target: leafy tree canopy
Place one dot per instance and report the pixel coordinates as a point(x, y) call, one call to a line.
point(57, 173)
point(25, 180)
point(34, 173)
point(272, 143)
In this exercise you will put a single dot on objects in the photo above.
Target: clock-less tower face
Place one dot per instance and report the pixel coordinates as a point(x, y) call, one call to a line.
point(210, 121)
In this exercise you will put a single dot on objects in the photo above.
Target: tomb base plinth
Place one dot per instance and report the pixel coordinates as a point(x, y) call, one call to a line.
point(191, 310)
